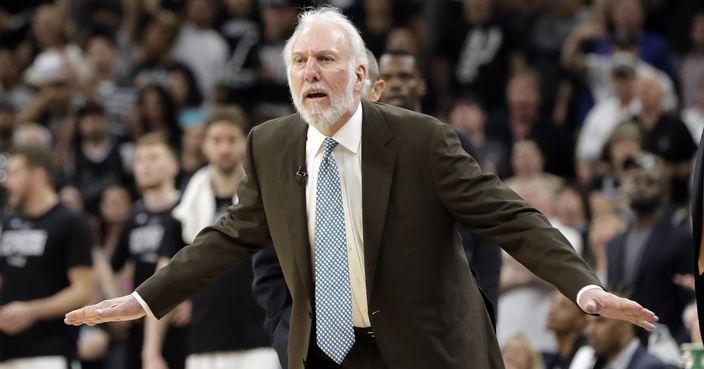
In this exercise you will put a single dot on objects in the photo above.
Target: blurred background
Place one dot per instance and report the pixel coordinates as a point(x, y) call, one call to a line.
point(590, 110)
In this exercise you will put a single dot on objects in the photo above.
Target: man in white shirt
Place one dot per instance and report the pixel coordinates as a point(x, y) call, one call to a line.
point(200, 47)
point(608, 113)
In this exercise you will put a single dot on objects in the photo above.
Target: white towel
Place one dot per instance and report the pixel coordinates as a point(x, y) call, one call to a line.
point(197, 207)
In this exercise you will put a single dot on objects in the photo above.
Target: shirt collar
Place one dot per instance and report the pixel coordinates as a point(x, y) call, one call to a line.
point(624, 358)
point(348, 136)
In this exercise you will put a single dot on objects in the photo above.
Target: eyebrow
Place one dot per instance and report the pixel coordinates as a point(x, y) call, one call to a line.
point(316, 52)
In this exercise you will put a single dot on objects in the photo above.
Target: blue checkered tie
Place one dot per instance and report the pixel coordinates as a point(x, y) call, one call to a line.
point(333, 297)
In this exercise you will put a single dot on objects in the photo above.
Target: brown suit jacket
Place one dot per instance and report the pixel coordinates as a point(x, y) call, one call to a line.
point(424, 304)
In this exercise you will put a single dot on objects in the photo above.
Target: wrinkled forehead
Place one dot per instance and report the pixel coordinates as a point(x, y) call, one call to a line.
point(321, 37)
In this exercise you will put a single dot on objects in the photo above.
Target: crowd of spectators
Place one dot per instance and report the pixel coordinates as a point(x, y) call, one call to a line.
point(591, 110)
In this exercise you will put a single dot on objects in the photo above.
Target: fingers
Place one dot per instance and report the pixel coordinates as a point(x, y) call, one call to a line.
point(644, 318)
point(87, 315)
point(80, 316)
point(117, 309)
point(649, 315)
point(611, 306)
point(645, 325)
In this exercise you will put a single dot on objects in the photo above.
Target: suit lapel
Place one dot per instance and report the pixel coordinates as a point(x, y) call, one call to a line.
point(377, 174)
point(294, 157)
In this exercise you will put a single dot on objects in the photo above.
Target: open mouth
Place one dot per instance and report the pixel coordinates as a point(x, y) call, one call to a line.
point(315, 95)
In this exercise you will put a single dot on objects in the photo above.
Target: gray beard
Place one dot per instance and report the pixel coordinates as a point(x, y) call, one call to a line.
point(323, 119)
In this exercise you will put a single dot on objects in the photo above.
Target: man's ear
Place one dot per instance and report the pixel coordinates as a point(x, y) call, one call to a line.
point(378, 89)
point(361, 74)
point(422, 88)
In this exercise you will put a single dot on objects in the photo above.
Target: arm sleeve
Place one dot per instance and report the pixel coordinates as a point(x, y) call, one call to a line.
point(482, 203)
point(216, 249)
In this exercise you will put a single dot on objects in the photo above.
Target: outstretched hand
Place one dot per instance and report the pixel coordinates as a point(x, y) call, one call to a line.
point(598, 301)
point(117, 309)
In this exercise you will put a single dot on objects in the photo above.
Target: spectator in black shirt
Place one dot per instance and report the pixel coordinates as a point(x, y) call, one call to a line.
point(45, 265)
point(155, 48)
point(664, 135)
point(109, 86)
point(476, 53)
point(95, 158)
point(523, 119)
point(468, 118)
point(258, 80)
point(155, 168)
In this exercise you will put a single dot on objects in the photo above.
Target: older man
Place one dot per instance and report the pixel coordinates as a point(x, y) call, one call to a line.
point(366, 243)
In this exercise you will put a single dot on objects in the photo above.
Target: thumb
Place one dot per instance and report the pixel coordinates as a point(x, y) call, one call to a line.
point(103, 313)
point(591, 307)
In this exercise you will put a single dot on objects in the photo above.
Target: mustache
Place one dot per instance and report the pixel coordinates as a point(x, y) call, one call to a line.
point(313, 89)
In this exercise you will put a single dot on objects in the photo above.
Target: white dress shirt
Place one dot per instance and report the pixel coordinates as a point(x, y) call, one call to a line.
point(348, 156)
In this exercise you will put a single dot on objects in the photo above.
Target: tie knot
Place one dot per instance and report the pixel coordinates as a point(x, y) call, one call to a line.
point(329, 145)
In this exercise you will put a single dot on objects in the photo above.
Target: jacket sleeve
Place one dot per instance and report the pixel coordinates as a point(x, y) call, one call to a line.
point(482, 203)
point(216, 250)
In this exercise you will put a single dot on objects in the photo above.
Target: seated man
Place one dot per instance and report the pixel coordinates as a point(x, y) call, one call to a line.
point(613, 344)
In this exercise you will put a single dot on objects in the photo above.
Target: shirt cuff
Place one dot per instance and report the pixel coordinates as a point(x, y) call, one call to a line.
point(146, 308)
point(585, 289)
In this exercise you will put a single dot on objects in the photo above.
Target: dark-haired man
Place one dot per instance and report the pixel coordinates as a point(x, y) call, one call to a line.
point(405, 86)
point(648, 255)
point(95, 158)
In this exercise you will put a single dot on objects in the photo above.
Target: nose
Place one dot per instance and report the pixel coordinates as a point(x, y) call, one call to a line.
point(393, 83)
point(311, 72)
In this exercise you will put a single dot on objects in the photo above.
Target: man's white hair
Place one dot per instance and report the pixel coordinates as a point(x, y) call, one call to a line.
point(334, 16)
point(651, 75)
